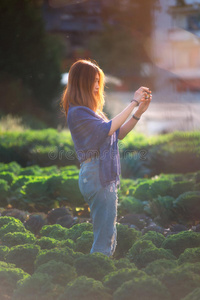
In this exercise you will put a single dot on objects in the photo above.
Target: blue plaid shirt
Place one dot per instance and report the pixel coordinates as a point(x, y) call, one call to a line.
point(90, 136)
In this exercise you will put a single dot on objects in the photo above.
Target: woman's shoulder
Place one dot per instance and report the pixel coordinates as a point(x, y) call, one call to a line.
point(83, 110)
point(80, 108)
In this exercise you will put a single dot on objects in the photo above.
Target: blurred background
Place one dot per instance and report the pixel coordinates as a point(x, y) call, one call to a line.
point(155, 43)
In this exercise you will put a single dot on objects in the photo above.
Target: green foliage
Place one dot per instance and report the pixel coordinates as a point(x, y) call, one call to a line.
point(197, 177)
point(37, 192)
point(46, 243)
point(65, 255)
point(175, 153)
point(12, 121)
point(3, 264)
point(55, 231)
point(8, 280)
point(148, 189)
point(153, 254)
point(191, 255)
point(137, 141)
point(108, 46)
point(30, 171)
point(130, 205)
point(13, 226)
point(19, 182)
point(23, 256)
point(137, 248)
point(127, 184)
point(162, 210)
point(187, 205)
point(179, 283)
point(45, 189)
point(18, 238)
point(69, 190)
point(197, 187)
point(20, 122)
point(170, 153)
point(85, 289)
point(4, 192)
point(36, 56)
point(181, 187)
point(159, 266)
point(129, 54)
point(3, 252)
point(145, 288)
point(59, 272)
point(144, 252)
point(156, 238)
point(161, 187)
point(123, 263)
point(132, 165)
point(191, 267)
point(67, 243)
point(12, 167)
point(48, 147)
point(76, 231)
point(194, 295)
point(95, 265)
point(44, 192)
point(115, 279)
point(37, 286)
point(84, 242)
point(47, 171)
point(5, 220)
point(22, 147)
point(177, 243)
point(125, 239)
point(7, 176)
point(174, 177)
point(143, 191)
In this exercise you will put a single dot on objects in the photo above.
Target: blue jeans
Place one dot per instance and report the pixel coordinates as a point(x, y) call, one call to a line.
point(103, 207)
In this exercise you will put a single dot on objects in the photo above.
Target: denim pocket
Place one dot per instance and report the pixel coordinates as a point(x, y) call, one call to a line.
point(89, 182)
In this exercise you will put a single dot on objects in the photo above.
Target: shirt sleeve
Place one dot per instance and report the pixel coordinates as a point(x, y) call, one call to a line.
point(117, 133)
point(88, 127)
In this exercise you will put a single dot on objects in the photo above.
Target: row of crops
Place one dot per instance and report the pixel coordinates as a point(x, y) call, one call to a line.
point(141, 156)
point(56, 264)
point(166, 198)
point(158, 252)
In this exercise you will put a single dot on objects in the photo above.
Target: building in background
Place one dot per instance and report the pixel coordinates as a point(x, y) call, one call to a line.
point(184, 39)
point(73, 22)
point(82, 24)
point(171, 42)
point(176, 46)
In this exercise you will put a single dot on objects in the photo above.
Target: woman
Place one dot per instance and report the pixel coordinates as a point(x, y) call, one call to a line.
point(95, 139)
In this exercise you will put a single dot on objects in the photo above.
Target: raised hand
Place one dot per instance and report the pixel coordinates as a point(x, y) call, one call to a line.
point(142, 94)
point(144, 105)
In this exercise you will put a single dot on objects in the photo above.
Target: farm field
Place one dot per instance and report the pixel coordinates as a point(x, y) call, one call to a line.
point(46, 230)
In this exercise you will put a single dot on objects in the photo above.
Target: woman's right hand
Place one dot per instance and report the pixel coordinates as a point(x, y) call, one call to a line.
point(141, 94)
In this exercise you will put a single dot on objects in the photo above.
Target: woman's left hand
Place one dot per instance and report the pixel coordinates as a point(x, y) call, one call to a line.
point(144, 105)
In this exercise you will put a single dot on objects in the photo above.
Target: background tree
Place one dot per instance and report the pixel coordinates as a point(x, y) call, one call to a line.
point(116, 51)
point(122, 47)
point(27, 52)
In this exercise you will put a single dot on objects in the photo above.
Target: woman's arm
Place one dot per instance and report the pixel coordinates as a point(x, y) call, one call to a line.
point(130, 124)
point(117, 121)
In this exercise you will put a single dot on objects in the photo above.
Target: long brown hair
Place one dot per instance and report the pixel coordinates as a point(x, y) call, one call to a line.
point(79, 90)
